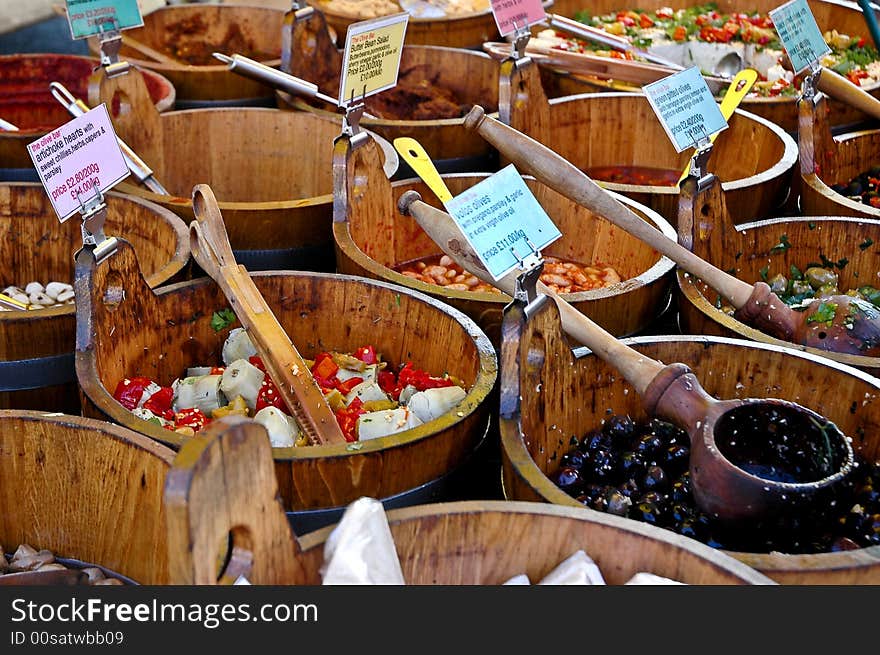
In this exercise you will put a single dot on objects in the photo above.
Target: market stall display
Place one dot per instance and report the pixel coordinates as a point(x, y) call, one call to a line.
point(85, 492)
point(637, 296)
point(321, 313)
point(441, 543)
point(189, 34)
point(36, 371)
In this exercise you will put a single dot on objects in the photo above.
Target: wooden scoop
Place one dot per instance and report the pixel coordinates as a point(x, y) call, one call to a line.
point(211, 250)
point(838, 323)
point(783, 454)
point(157, 56)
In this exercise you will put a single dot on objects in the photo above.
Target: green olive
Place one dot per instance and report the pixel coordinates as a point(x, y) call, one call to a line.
point(818, 276)
point(799, 287)
point(778, 283)
point(827, 290)
point(871, 294)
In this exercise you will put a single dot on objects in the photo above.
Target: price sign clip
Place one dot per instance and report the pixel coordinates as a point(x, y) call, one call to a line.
point(111, 42)
point(353, 111)
point(698, 165)
point(520, 40)
point(531, 267)
point(94, 214)
point(810, 85)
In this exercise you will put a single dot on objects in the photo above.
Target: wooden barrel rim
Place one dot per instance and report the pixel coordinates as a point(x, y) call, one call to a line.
point(420, 512)
point(815, 182)
point(167, 272)
point(87, 373)
point(663, 265)
point(526, 468)
point(111, 430)
point(786, 162)
point(698, 300)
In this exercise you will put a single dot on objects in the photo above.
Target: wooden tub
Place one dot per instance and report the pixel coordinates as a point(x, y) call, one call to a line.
point(845, 17)
point(372, 237)
point(826, 160)
point(36, 347)
point(463, 543)
point(753, 158)
point(86, 490)
point(197, 30)
point(551, 394)
point(270, 170)
point(772, 246)
point(27, 103)
point(471, 76)
point(170, 329)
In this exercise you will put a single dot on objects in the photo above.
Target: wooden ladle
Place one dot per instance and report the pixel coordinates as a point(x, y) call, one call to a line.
point(751, 459)
point(838, 323)
point(211, 250)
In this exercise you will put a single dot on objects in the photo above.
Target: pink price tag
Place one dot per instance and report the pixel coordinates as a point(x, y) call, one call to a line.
point(77, 160)
point(513, 14)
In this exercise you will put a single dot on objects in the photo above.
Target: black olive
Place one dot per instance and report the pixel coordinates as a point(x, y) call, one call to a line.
point(569, 479)
point(868, 496)
point(843, 543)
point(616, 503)
point(649, 446)
point(680, 513)
point(573, 457)
point(668, 432)
point(630, 465)
point(854, 189)
point(839, 188)
point(654, 479)
point(593, 491)
point(620, 428)
point(654, 498)
point(677, 459)
point(646, 512)
point(629, 488)
point(602, 466)
point(871, 530)
point(595, 440)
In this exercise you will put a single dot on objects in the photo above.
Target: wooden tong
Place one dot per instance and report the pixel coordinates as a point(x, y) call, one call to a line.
point(210, 247)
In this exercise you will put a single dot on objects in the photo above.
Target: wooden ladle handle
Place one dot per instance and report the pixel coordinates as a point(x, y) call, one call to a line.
point(562, 176)
point(842, 89)
point(638, 369)
point(209, 244)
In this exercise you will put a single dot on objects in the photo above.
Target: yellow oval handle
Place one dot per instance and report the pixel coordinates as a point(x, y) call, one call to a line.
point(740, 85)
point(414, 155)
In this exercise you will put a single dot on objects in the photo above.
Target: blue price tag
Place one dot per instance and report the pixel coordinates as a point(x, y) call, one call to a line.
point(686, 108)
point(497, 216)
point(799, 33)
point(90, 17)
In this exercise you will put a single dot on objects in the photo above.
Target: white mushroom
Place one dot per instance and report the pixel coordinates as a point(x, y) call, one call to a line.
point(40, 298)
point(66, 296)
point(54, 289)
point(34, 287)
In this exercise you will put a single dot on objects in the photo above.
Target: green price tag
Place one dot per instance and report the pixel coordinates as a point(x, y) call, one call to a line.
point(90, 17)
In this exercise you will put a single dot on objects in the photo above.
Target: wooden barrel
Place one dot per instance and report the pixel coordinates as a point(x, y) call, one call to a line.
point(160, 334)
point(27, 103)
point(191, 33)
point(470, 77)
point(563, 394)
point(36, 347)
point(372, 237)
point(270, 170)
point(757, 249)
point(826, 160)
point(462, 543)
point(753, 158)
point(85, 490)
point(845, 17)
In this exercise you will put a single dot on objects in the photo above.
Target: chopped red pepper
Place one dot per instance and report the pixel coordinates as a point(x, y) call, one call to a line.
point(680, 33)
point(160, 403)
point(347, 418)
point(420, 379)
point(346, 386)
point(218, 370)
point(325, 369)
point(191, 417)
point(130, 390)
point(645, 20)
point(269, 397)
point(367, 354)
point(257, 361)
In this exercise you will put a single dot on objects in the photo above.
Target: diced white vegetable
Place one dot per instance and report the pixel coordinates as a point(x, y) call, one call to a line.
point(54, 289)
point(373, 425)
point(148, 391)
point(66, 296)
point(366, 391)
point(433, 403)
point(645, 578)
point(368, 374)
point(360, 549)
point(40, 298)
point(202, 392)
point(241, 378)
point(282, 431)
point(238, 345)
point(579, 569)
point(34, 287)
point(406, 393)
point(147, 415)
point(198, 371)
point(522, 578)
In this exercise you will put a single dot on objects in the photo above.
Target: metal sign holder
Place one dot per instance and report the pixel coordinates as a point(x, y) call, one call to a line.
point(531, 266)
point(111, 42)
point(809, 87)
point(352, 111)
point(520, 40)
point(93, 213)
point(700, 158)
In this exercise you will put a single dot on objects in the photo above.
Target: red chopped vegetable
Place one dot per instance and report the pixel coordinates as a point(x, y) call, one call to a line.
point(160, 403)
point(420, 379)
point(347, 418)
point(367, 354)
point(269, 397)
point(130, 390)
point(191, 417)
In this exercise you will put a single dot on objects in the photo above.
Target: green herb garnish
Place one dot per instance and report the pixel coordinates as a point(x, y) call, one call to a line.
point(764, 271)
point(222, 319)
point(867, 243)
point(783, 244)
point(825, 313)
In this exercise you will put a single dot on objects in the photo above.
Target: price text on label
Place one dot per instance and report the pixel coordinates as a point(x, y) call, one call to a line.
point(77, 160)
point(372, 56)
point(685, 107)
point(799, 33)
point(512, 14)
point(88, 17)
point(497, 215)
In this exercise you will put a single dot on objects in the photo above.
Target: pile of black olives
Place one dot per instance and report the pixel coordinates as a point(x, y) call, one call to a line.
point(640, 471)
point(862, 188)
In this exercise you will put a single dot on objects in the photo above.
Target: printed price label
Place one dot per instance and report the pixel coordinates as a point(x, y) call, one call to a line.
point(372, 56)
point(77, 160)
point(89, 17)
point(799, 33)
point(685, 107)
point(497, 215)
point(512, 14)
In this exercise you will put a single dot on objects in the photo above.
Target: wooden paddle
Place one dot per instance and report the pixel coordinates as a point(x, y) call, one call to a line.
point(159, 57)
point(211, 250)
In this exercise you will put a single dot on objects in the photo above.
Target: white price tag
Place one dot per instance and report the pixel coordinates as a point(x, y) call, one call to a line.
point(372, 54)
point(799, 33)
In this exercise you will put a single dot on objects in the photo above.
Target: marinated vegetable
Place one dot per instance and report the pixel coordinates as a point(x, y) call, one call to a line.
point(863, 188)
